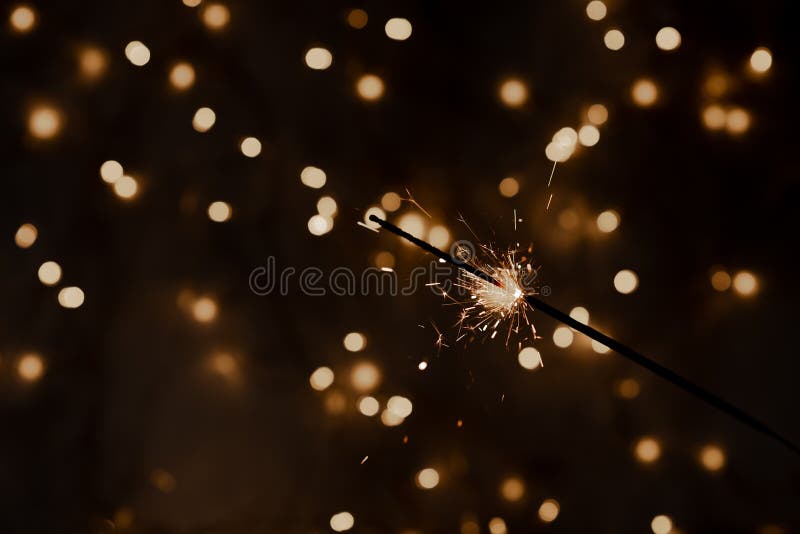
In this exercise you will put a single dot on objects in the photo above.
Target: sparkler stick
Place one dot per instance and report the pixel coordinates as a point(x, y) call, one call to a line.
point(620, 348)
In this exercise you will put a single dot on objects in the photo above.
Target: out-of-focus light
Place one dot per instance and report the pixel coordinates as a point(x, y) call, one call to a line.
point(597, 114)
point(92, 62)
point(71, 297)
point(614, 39)
point(224, 364)
point(761, 60)
point(365, 377)
point(745, 283)
point(714, 117)
point(370, 87)
point(342, 521)
point(626, 281)
point(712, 458)
point(391, 201)
point(216, 16)
point(428, 478)
point(30, 367)
point(562, 337)
point(716, 84)
point(111, 171)
point(49, 273)
point(413, 224)
point(181, 75)
point(470, 526)
point(137, 53)
point(608, 221)
point(398, 29)
point(126, 187)
point(548, 511)
point(319, 224)
point(319, 58)
point(400, 406)
point(219, 211)
point(313, 177)
point(588, 135)
point(369, 406)
point(357, 18)
point(26, 235)
point(596, 10)
point(376, 211)
point(628, 388)
point(204, 310)
point(599, 348)
point(721, 281)
point(580, 314)
point(44, 122)
point(513, 92)
point(355, 341)
point(439, 236)
point(737, 121)
point(326, 206)
point(192, 3)
point(661, 524)
point(508, 187)
point(321, 379)
point(562, 145)
point(163, 480)
point(389, 418)
point(644, 92)
point(497, 526)
point(568, 219)
point(512, 489)
point(250, 147)
point(422, 365)
point(668, 38)
point(384, 259)
point(335, 403)
point(204, 118)
point(529, 358)
point(647, 450)
point(22, 18)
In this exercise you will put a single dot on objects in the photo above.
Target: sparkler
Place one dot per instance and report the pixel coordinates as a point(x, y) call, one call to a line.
point(500, 290)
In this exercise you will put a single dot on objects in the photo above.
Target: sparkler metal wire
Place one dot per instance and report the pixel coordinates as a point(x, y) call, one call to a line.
point(620, 348)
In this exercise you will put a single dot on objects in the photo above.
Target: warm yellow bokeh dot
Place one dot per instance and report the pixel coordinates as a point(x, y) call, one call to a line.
point(628, 388)
point(512, 489)
point(313, 177)
point(714, 117)
point(497, 526)
point(44, 122)
point(321, 378)
point(513, 92)
point(365, 377)
point(204, 118)
point(548, 511)
point(647, 450)
point(563, 337)
point(614, 39)
point(355, 341)
point(588, 135)
point(596, 10)
point(137, 53)
point(320, 224)
point(668, 38)
point(216, 16)
point(439, 236)
point(219, 211)
point(721, 281)
point(508, 187)
point(599, 348)
point(335, 403)
point(428, 478)
point(357, 18)
point(126, 187)
point(712, 458)
point(370, 87)
point(737, 121)
point(761, 60)
point(597, 114)
point(391, 201)
point(529, 358)
point(342, 521)
point(384, 259)
point(71, 297)
point(413, 224)
point(568, 219)
point(111, 171)
point(716, 84)
point(26, 235)
point(181, 75)
point(49, 273)
point(608, 221)
point(92, 62)
point(250, 147)
point(580, 314)
point(30, 367)
point(644, 92)
point(376, 211)
point(192, 3)
point(398, 29)
point(399, 406)
point(626, 281)
point(22, 18)
point(661, 524)
point(369, 406)
point(224, 364)
point(204, 310)
point(745, 283)
point(388, 418)
point(326, 206)
point(319, 58)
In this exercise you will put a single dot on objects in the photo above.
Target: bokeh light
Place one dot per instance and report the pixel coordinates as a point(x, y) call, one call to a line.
point(322, 378)
point(597, 114)
point(137, 53)
point(71, 297)
point(647, 450)
point(44, 122)
point(714, 117)
point(391, 201)
point(365, 377)
point(326, 206)
point(548, 511)
point(374, 210)
point(319, 58)
point(355, 341)
point(721, 281)
point(219, 211)
point(661, 524)
point(596, 10)
point(563, 337)
point(668, 38)
point(588, 135)
point(737, 121)
point(216, 16)
point(761, 60)
point(513, 92)
point(204, 310)
point(529, 358)
point(357, 18)
point(644, 92)
point(508, 187)
point(313, 177)
point(49, 273)
point(204, 118)
point(412, 223)
point(399, 406)
point(614, 39)
point(126, 187)
point(181, 76)
point(608, 221)
point(92, 62)
point(497, 526)
point(30, 367)
point(370, 87)
point(512, 489)
point(342, 521)
point(111, 171)
point(250, 147)
point(369, 406)
point(319, 224)
point(745, 283)
point(398, 29)
point(712, 458)
point(427, 478)
point(626, 281)
point(22, 18)
point(439, 236)
point(628, 388)
point(26, 235)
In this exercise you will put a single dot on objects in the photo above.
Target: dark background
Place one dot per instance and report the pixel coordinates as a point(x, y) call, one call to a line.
point(127, 390)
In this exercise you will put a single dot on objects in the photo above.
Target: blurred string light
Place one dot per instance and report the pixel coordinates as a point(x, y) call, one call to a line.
point(644, 92)
point(737, 121)
point(422, 365)
point(714, 117)
point(321, 379)
point(721, 280)
point(608, 221)
point(627, 388)
point(26, 235)
point(44, 122)
point(512, 489)
point(204, 118)
point(563, 337)
point(588, 135)
point(326, 206)
point(596, 10)
point(163, 480)
point(568, 219)
point(513, 92)
point(390, 419)
point(313, 177)
point(626, 281)
point(355, 341)
point(22, 18)
point(384, 259)
point(398, 29)
point(318, 58)
point(365, 377)
point(373, 210)
point(319, 225)
point(192, 3)
point(761, 60)
point(529, 358)
point(427, 478)
point(126, 187)
point(599, 348)
point(111, 171)
point(412, 223)
point(250, 147)
point(335, 403)
point(30, 367)
point(716, 84)
point(580, 314)
point(497, 526)
point(224, 364)
point(597, 114)
point(668, 38)
point(508, 187)
point(549, 510)
point(712, 458)
point(137, 53)
point(399, 406)
point(370, 87)
point(369, 406)
point(661, 524)
point(342, 521)
point(745, 283)
point(219, 211)
point(71, 297)
point(562, 145)
point(182, 75)
point(439, 236)
point(647, 450)
point(204, 310)
point(614, 39)
point(357, 18)
point(49, 273)
point(92, 62)
point(391, 202)
point(216, 16)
